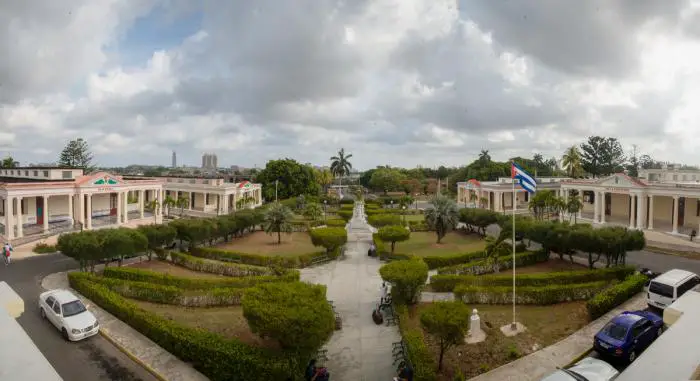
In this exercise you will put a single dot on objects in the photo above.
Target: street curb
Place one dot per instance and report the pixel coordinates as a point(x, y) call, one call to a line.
point(133, 357)
point(579, 357)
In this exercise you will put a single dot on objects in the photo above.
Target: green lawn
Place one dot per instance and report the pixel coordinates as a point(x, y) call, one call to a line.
point(414, 217)
point(266, 244)
point(425, 244)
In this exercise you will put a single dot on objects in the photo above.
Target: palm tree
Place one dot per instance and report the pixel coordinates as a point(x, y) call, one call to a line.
point(8, 162)
point(277, 220)
point(244, 201)
point(442, 216)
point(153, 206)
point(340, 166)
point(182, 203)
point(538, 160)
point(473, 197)
point(168, 203)
point(571, 162)
point(484, 157)
point(313, 211)
point(573, 206)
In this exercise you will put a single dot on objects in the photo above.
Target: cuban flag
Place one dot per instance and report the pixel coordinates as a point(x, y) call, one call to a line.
point(526, 181)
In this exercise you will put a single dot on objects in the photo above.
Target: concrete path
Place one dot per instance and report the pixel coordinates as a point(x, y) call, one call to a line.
point(138, 347)
point(361, 350)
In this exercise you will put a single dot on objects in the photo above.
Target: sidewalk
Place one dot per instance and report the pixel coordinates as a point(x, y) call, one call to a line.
point(138, 347)
point(535, 366)
point(361, 350)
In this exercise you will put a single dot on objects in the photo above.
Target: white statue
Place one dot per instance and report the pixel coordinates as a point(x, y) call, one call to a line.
point(476, 334)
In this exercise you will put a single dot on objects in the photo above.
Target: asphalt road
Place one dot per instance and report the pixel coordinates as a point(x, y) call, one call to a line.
point(94, 359)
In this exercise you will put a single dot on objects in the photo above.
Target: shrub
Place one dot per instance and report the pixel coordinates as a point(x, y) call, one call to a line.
point(42, 248)
point(484, 266)
point(218, 267)
point(141, 275)
point(161, 253)
point(380, 220)
point(448, 282)
point(332, 239)
point(393, 234)
point(297, 315)
point(540, 295)
point(345, 214)
point(287, 261)
point(407, 277)
point(603, 302)
point(419, 355)
point(435, 262)
point(157, 236)
point(520, 247)
point(447, 322)
point(218, 358)
point(336, 222)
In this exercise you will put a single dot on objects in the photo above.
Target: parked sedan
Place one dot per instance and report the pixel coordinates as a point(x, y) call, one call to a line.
point(68, 314)
point(588, 369)
point(628, 334)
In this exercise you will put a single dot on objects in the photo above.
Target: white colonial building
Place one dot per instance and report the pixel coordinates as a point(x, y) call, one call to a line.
point(42, 201)
point(498, 195)
point(212, 196)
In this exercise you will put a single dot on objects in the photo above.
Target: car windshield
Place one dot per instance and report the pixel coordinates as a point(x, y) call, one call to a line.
point(73, 308)
point(615, 331)
point(574, 375)
point(661, 289)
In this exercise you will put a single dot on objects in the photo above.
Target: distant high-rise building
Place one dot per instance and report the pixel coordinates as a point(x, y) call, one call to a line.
point(174, 162)
point(210, 161)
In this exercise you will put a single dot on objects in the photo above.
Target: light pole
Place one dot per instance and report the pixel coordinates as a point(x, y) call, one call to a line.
point(276, 181)
point(392, 204)
point(325, 206)
point(404, 214)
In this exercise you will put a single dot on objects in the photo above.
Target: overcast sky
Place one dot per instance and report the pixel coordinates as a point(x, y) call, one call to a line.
point(399, 82)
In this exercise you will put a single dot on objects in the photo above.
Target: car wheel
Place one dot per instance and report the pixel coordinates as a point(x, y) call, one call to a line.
point(64, 332)
point(633, 355)
point(659, 331)
point(43, 313)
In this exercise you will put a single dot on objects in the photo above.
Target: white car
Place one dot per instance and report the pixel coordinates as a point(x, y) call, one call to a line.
point(68, 314)
point(588, 369)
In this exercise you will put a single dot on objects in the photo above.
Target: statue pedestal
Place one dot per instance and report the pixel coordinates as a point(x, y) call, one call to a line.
point(476, 334)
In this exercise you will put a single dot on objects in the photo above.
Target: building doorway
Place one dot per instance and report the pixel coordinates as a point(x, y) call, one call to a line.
point(112, 204)
point(681, 211)
point(39, 210)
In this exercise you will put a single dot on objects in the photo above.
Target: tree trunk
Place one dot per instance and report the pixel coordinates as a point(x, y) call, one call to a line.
point(279, 237)
point(392, 247)
point(442, 355)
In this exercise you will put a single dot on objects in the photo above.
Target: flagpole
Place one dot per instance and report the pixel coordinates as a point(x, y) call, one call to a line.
point(513, 325)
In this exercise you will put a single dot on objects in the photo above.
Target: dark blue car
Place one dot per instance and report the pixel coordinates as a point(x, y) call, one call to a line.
point(628, 334)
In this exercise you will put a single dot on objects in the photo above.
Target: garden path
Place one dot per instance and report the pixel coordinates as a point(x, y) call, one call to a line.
point(361, 350)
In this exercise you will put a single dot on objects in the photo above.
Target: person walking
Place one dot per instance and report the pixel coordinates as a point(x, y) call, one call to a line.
point(385, 292)
point(6, 250)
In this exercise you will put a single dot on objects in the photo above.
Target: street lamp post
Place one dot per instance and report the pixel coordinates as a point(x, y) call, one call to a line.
point(325, 206)
point(404, 214)
point(392, 204)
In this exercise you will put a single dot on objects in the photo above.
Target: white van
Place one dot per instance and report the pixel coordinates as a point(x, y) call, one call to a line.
point(669, 286)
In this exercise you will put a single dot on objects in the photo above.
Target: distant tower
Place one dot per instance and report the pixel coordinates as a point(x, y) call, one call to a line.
point(209, 161)
point(174, 163)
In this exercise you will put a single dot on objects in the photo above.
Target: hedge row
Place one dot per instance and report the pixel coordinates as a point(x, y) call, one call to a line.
point(335, 222)
point(218, 358)
point(448, 282)
point(218, 267)
point(540, 295)
point(483, 266)
point(287, 261)
point(141, 275)
point(163, 294)
point(419, 355)
point(436, 262)
point(605, 301)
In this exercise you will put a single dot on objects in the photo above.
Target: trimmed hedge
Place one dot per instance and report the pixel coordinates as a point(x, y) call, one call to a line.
point(435, 262)
point(448, 282)
point(381, 220)
point(218, 267)
point(336, 222)
point(141, 275)
point(505, 262)
point(218, 358)
point(345, 214)
point(605, 301)
point(540, 295)
point(419, 355)
point(287, 261)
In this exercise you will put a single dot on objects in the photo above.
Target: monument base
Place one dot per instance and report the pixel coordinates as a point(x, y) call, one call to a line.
point(475, 338)
point(513, 329)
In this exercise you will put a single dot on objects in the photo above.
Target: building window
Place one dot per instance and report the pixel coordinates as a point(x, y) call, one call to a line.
point(22, 206)
point(12, 172)
point(67, 174)
point(684, 178)
point(26, 173)
point(46, 173)
point(193, 181)
point(36, 173)
point(697, 208)
point(675, 177)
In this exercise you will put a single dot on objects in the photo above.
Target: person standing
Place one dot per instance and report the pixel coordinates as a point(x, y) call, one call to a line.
point(385, 292)
point(6, 250)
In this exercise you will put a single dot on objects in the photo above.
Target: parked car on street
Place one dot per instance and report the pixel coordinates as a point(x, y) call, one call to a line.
point(588, 369)
point(628, 334)
point(68, 314)
point(669, 286)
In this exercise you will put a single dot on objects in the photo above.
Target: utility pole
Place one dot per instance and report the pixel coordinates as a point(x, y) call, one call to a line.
point(276, 182)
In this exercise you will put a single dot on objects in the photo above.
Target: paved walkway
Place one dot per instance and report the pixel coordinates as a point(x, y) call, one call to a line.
point(361, 350)
point(140, 348)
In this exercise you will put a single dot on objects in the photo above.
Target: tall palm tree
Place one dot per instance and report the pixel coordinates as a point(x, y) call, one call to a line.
point(571, 162)
point(8, 162)
point(484, 157)
point(182, 203)
point(340, 166)
point(573, 206)
point(153, 206)
point(442, 216)
point(169, 203)
point(277, 220)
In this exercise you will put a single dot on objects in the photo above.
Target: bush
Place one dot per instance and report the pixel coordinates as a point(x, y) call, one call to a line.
point(540, 295)
point(218, 358)
point(332, 239)
point(161, 253)
point(407, 277)
point(418, 226)
point(297, 315)
point(287, 261)
point(605, 301)
point(520, 247)
point(218, 267)
point(448, 282)
point(141, 275)
point(42, 248)
point(435, 262)
point(381, 220)
point(346, 215)
point(336, 222)
point(419, 355)
point(484, 266)
point(447, 322)
point(393, 234)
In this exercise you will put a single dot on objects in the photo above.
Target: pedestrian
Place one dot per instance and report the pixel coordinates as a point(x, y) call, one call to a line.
point(6, 250)
point(385, 292)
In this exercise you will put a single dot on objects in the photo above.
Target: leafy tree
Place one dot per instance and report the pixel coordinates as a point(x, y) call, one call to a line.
point(119, 243)
point(157, 236)
point(324, 178)
point(8, 162)
point(386, 179)
point(407, 277)
point(393, 234)
point(447, 322)
point(193, 231)
point(153, 206)
point(574, 204)
point(313, 211)
point(182, 203)
point(544, 204)
point(366, 176)
point(83, 246)
point(292, 179)
point(602, 156)
point(295, 314)
point(385, 219)
point(331, 238)
point(477, 220)
point(168, 204)
point(277, 220)
point(442, 216)
point(571, 162)
point(77, 154)
point(496, 248)
point(340, 165)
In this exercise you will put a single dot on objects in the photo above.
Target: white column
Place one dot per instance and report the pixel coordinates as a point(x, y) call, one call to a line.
point(141, 195)
point(580, 196)
point(81, 209)
point(602, 207)
point(126, 206)
point(46, 214)
point(488, 200)
point(9, 218)
point(596, 207)
point(89, 211)
point(20, 218)
point(120, 207)
point(71, 212)
point(632, 210)
point(675, 214)
point(640, 211)
point(224, 203)
point(650, 225)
